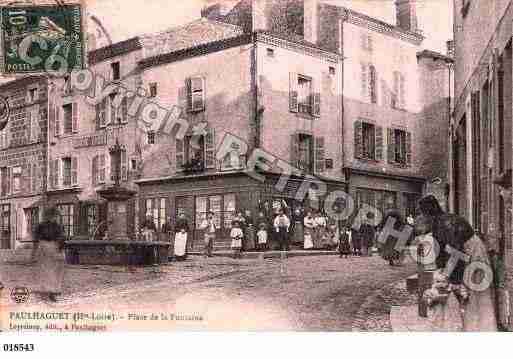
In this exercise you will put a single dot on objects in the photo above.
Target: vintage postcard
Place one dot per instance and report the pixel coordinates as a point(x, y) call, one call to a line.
point(255, 165)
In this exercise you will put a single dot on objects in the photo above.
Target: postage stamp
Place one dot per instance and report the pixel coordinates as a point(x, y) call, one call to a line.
point(42, 38)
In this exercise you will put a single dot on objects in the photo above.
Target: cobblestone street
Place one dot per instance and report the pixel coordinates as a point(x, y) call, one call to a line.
point(302, 293)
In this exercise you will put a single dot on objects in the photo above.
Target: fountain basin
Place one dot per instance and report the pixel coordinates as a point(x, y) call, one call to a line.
point(116, 252)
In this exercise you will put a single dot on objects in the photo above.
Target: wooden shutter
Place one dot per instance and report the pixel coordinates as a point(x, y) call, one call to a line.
point(320, 163)
point(293, 93)
point(57, 126)
point(101, 168)
point(402, 89)
point(179, 153)
point(124, 110)
point(316, 99)
point(74, 171)
point(57, 173)
point(124, 166)
point(35, 177)
point(25, 178)
point(94, 171)
point(51, 118)
point(51, 175)
point(9, 180)
point(97, 110)
point(188, 88)
point(378, 133)
point(373, 84)
point(294, 150)
point(210, 156)
point(363, 78)
point(74, 115)
point(198, 93)
point(112, 110)
point(390, 145)
point(358, 139)
point(408, 149)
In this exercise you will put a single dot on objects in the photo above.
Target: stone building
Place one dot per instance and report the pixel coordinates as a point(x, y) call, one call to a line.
point(481, 131)
point(23, 157)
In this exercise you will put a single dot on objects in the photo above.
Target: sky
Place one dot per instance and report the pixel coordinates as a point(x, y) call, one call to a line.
point(126, 18)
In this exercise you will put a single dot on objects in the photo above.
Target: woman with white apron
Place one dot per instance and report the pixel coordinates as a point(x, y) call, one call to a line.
point(181, 230)
point(310, 224)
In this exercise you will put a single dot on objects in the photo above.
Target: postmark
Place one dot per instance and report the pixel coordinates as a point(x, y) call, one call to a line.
point(41, 38)
point(20, 295)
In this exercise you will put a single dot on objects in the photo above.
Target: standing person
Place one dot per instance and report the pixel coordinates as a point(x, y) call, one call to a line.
point(181, 234)
point(357, 242)
point(209, 227)
point(167, 230)
point(236, 235)
point(297, 225)
point(344, 247)
point(148, 229)
point(320, 228)
point(309, 223)
point(50, 256)
point(282, 225)
point(239, 218)
point(249, 235)
point(262, 224)
point(367, 234)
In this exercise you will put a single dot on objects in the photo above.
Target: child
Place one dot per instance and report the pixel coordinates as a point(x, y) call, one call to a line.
point(262, 237)
point(344, 246)
point(236, 235)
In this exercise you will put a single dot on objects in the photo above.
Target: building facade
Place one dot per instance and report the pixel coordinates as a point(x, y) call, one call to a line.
point(481, 131)
point(23, 158)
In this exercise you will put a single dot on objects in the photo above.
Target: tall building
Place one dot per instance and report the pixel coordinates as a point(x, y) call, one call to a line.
point(481, 131)
point(23, 158)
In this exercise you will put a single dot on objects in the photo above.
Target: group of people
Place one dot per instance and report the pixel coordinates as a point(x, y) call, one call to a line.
point(357, 242)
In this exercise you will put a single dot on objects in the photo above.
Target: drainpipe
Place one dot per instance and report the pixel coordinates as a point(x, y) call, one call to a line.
point(341, 52)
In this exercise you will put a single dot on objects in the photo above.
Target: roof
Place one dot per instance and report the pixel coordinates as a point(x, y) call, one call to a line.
point(434, 55)
point(21, 81)
point(190, 35)
point(119, 48)
point(298, 39)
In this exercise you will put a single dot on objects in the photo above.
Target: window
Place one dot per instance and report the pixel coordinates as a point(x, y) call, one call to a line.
point(332, 70)
point(372, 84)
point(115, 67)
point(34, 178)
point(98, 170)
point(34, 129)
point(304, 86)
point(153, 89)
point(16, 179)
point(196, 94)
point(92, 218)
point(270, 52)
point(379, 199)
point(151, 137)
point(67, 111)
point(229, 209)
point(369, 138)
point(32, 94)
point(305, 160)
point(5, 178)
point(193, 152)
point(4, 137)
point(156, 209)
point(233, 159)
point(5, 217)
point(66, 172)
point(101, 113)
point(133, 164)
point(398, 95)
point(205, 205)
point(32, 216)
point(400, 146)
point(66, 219)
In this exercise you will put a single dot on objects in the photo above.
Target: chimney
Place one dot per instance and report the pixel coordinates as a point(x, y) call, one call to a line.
point(406, 15)
point(311, 20)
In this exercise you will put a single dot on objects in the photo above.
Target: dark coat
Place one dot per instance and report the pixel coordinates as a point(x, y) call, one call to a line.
point(50, 231)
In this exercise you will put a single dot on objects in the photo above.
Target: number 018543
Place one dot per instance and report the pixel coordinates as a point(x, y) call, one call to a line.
point(18, 347)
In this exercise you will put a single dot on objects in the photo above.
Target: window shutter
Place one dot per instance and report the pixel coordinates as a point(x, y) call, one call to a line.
point(124, 166)
point(25, 178)
point(364, 81)
point(408, 149)
point(51, 117)
point(395, 95)
point(124, 110)
point(210, 158)
point(294, 150)
point(29, 127)
point(94, 171)
point(57, 169)
point(390, 145)
point(402, 89)
point(197, 93)
point(74, 115)
point(112, 113)
point(316, 99)
point(74, 171)
point(97, 115)
point(35, 177)
point(9, 180)
point(101, 169)
point(188, 87)
point(57, 122)
point(372, 84)
point(358, 139)
point(320, 163)
point(179, 154)
point(378, 132)
point(51, 175)
point(293, 93)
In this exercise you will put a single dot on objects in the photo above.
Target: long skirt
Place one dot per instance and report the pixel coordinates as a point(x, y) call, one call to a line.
point(50, 267)
point(344, 246)
point(180, 244)
point(236, 243)
point(308, 239)
point(298, 235)
point(320, 239)
point(249, 239)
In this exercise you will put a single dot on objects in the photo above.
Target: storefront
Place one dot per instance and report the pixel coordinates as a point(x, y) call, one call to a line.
point(223, 194)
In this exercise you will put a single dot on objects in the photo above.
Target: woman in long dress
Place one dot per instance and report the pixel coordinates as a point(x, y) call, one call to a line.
point(320, 238)
point(250, 232)
point(237, 237)
point(50, 255)
point(309, 223)
point(181, 233)
point(297, 223)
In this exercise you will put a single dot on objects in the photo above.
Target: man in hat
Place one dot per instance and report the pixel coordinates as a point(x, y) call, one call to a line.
point(210, 228)
point(282, 225)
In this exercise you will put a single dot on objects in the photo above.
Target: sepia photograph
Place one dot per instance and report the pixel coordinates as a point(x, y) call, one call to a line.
point(255, 166)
